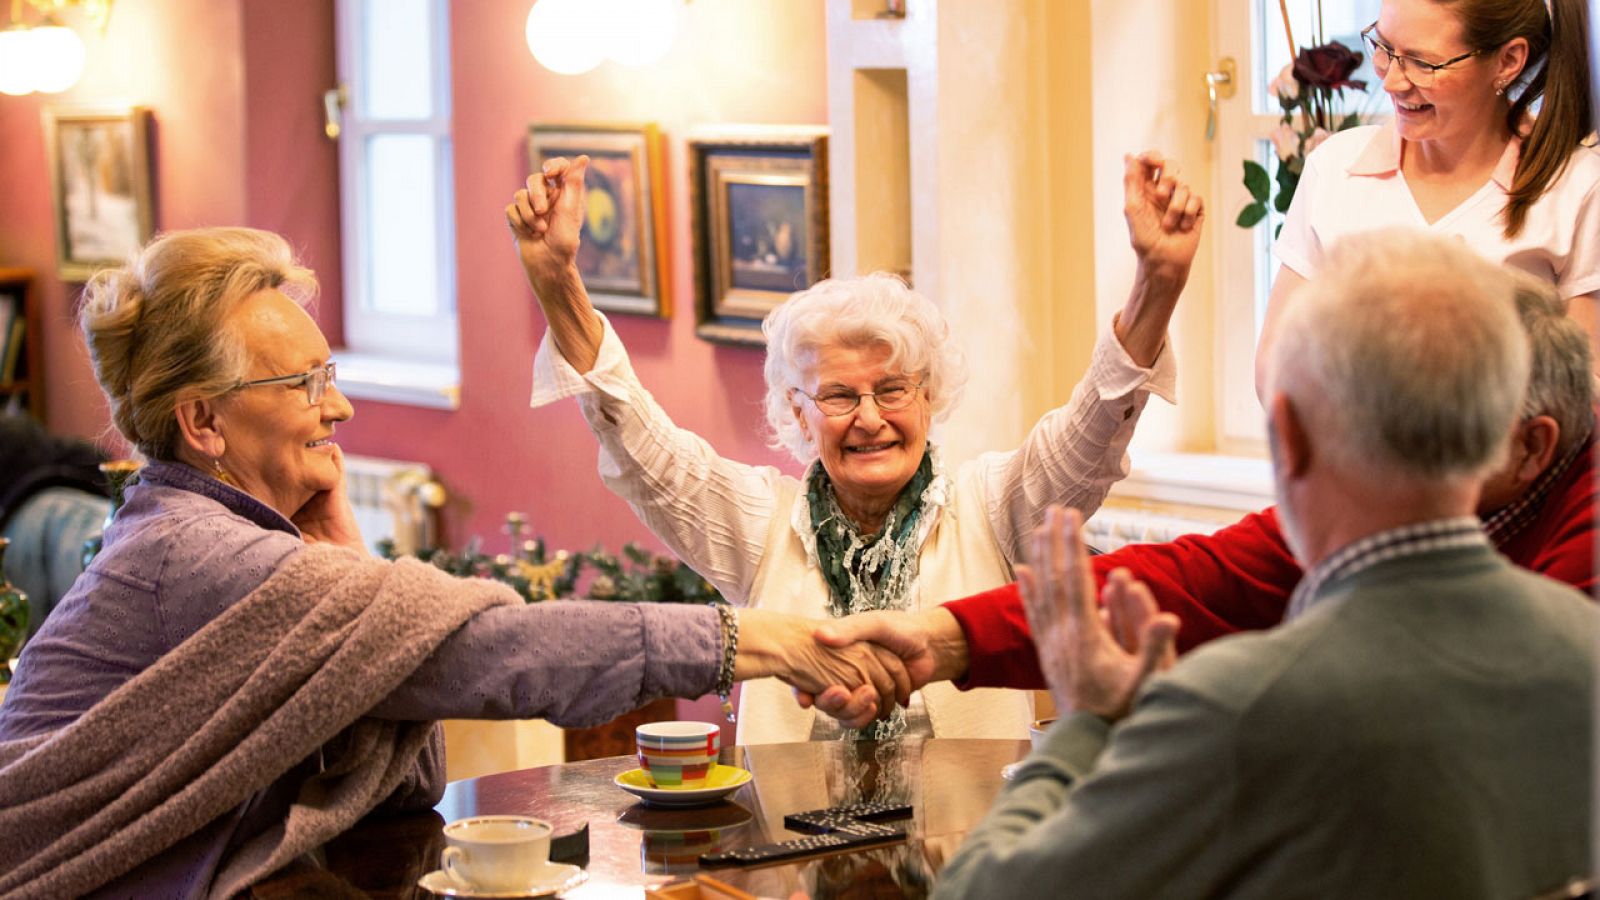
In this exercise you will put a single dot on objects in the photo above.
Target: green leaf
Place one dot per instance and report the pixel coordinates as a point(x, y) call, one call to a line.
point(1256, 180)
point(1251, 214)
point(1276, 230)
point(1349, 121)
point(1282, 201)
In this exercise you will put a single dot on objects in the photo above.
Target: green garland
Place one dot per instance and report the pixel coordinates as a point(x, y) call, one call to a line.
point(638, 576)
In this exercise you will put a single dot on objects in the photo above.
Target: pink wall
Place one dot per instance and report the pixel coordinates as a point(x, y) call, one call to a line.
point(236, 140)
point(734, 61)
point(235, 87)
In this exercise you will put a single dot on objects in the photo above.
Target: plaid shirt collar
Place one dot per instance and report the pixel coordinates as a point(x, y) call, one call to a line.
point(1515, 516)
point(1407, 540)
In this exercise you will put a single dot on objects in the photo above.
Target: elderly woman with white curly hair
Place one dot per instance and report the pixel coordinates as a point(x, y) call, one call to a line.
point(857, 370)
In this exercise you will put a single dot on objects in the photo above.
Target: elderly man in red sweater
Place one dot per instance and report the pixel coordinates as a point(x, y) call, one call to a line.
point(1539, 511)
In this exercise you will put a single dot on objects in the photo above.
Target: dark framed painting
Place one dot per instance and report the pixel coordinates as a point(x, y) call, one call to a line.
point(100, 180)
point(623, 253)
point(760, 225)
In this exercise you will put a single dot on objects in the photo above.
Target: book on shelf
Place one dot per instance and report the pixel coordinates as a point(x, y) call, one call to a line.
point(13, 351)
point(10, 314)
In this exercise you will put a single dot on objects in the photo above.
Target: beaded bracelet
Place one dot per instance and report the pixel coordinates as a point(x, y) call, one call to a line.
point(730, 650)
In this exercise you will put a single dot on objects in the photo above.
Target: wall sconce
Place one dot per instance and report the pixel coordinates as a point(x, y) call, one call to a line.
point(571, 37)
point(46, 57)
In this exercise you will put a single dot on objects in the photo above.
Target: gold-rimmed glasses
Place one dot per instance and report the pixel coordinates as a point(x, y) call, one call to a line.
point(838, 401)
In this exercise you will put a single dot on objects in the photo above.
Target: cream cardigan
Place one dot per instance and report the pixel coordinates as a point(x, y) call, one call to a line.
point(746, 528)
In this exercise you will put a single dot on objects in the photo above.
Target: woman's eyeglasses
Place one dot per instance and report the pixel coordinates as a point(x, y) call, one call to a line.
point(894, 397)
point(316, 382)
point(1419, 72)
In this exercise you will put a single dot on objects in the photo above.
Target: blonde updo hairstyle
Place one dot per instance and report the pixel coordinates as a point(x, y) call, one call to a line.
point(156, 328)
point(856, 312)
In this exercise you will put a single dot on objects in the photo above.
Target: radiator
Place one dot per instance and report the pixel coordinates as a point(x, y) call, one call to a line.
point(394, 500)
point(1113, 527)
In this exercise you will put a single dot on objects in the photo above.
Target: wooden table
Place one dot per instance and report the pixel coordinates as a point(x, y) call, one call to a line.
point(949, 782)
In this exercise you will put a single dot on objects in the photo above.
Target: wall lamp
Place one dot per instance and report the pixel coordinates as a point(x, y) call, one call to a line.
point(46, 56)
point(571, 37)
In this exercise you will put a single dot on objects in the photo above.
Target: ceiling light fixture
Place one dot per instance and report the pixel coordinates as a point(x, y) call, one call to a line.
point(47, 56)
point(571, 37)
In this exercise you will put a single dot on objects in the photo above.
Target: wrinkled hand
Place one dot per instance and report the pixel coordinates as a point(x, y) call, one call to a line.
point(783, 646)
point(1164, 216)
point(1084, 663)
point(328, 518)
point(928, 643)
point(546, 218)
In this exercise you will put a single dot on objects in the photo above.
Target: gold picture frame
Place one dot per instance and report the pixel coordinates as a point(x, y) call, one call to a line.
point(623, 253)
point(100, 178)
point(759, 215)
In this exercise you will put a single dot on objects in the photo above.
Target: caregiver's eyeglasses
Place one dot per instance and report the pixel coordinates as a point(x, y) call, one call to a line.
point(894, 396)
point(1419, 72)
point(316, 382)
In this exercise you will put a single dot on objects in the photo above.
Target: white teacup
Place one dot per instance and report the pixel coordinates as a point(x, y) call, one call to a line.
point(496, 853)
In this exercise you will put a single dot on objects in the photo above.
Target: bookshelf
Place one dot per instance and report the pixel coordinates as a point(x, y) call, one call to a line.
point(21, 361)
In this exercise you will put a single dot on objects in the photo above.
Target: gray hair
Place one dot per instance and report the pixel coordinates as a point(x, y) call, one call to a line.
point(1406, 356)
point(155, 327)
point(1560, 385)
point(859, 312)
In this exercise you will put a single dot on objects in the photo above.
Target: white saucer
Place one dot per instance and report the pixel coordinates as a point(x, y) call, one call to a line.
point(557, 877)
point(724, 781)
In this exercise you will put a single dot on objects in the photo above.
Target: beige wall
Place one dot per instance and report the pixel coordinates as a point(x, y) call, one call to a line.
point(1020, 112)
point(1149, 60)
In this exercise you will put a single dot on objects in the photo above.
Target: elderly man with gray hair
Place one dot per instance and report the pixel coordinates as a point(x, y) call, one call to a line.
point(1420, 726)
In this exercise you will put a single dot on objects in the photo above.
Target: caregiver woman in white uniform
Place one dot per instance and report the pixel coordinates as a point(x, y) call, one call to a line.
point(1464, 155)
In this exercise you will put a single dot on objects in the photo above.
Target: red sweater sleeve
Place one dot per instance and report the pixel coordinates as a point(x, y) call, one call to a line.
point(1236, 579)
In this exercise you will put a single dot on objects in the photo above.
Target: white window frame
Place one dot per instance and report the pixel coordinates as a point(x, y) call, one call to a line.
point(1241, 289)
point(1242, 285)
point(399, 358)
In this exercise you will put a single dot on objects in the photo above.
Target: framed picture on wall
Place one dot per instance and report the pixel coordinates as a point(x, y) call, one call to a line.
point(100, 178)
point(759, 211)
point(623, 254)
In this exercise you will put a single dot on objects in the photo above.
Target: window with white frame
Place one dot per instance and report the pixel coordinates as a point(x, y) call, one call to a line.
point(397, 204)
point(1252, 33)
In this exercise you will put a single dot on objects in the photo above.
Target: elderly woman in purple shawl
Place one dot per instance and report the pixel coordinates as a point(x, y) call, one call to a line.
point(235, 680)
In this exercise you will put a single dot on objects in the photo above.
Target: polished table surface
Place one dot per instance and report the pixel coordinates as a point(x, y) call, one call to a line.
point(950, 784)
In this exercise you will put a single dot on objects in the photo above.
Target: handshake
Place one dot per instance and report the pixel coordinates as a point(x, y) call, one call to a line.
point(1096, 648)
point(855, 669)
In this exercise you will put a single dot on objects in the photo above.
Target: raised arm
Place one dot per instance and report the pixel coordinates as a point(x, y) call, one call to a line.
point(1076, 452)
point(713, 513)
point(546, 218)
point(1164, 219)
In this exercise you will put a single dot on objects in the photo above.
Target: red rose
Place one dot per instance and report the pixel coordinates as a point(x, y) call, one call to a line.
point(1328, 67)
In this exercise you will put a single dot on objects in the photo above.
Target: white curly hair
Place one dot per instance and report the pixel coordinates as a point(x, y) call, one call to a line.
point(876, 309)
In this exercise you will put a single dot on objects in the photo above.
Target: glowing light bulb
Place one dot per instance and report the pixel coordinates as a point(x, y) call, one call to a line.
point(568, 37)
point(58, 59)
point(642, 31)
point(16, 61)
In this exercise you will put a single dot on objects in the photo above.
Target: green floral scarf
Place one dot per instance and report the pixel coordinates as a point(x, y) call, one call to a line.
point(868, 572)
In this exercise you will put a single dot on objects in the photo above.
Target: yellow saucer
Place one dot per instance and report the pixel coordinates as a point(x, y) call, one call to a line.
point(720, 782)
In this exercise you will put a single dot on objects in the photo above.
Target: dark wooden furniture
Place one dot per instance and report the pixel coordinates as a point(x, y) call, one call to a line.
point(27, 382)
point(614, 738)
point(951, 783)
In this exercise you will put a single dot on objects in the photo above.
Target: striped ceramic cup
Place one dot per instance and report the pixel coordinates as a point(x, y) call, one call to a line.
point(678, 754)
